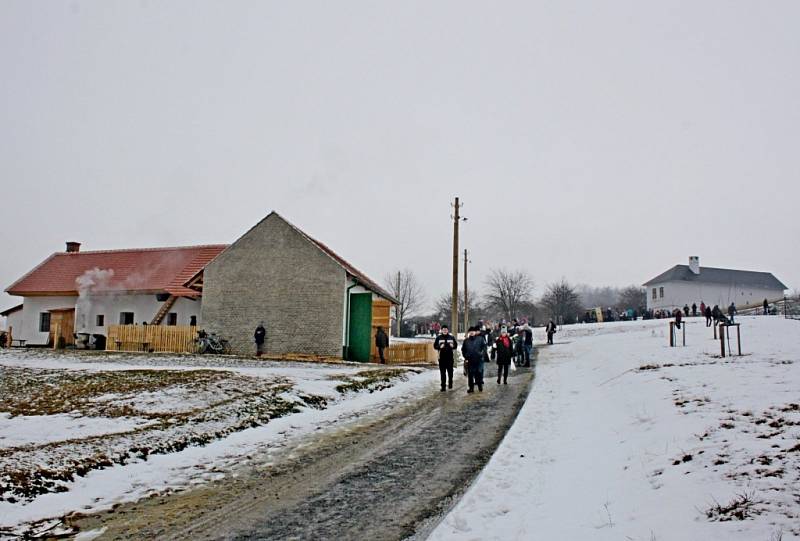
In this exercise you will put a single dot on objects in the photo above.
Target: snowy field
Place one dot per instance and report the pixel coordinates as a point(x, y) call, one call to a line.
point(625, 438)
point(82, 432)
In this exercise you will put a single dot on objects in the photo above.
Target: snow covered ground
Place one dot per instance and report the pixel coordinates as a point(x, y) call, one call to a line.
point(625, 438)
point(84, 432)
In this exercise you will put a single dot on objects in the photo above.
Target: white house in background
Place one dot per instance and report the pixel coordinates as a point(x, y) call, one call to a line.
point(687, 284)
point(86, 291)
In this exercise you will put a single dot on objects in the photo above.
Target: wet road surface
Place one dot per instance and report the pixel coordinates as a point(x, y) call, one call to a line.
point(391, 477)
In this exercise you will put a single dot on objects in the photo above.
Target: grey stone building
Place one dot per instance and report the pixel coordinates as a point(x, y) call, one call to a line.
point(310, 300)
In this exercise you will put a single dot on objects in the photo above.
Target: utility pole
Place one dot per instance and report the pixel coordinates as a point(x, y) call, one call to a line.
point(454, 303)
point(399, 308)
point(466, 294)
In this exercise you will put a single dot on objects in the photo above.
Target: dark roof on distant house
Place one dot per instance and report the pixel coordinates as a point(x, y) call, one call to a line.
point(11, 310)
point(143, 270)
point(678, 273)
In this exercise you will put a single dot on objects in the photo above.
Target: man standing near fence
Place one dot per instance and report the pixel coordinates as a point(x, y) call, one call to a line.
point(381, 343)
point(445, 344)
point(260, 335)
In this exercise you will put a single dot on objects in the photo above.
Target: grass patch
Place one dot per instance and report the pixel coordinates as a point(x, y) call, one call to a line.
point(370, 380)
point(740, 508)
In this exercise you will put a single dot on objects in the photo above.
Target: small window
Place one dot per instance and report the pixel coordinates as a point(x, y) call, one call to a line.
point(193, 321)
point(100, 320)
point(172, 319)
point(661, 292)
point(44, 322)
point(654, 294)
point(126, 318)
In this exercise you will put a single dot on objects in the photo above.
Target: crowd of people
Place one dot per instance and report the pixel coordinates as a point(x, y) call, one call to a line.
point(504, 343)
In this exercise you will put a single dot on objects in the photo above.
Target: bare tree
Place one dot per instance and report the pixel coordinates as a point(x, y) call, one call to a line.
point(404, 286)
point(632, 297)
point(509, 291)
point(444, 305)
point(561, 301)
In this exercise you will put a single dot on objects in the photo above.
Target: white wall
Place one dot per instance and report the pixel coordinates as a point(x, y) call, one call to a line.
point(677, 294)
point(144, 307)
point(32, 307)
point(14, 321)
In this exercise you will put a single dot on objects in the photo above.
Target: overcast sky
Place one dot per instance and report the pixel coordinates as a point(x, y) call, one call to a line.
point(602, 142)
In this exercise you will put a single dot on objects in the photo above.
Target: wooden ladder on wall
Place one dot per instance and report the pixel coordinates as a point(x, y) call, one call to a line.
point(159, 317)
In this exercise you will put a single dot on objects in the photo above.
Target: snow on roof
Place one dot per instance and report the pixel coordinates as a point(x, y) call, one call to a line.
point(153, 270)
point(712, 275)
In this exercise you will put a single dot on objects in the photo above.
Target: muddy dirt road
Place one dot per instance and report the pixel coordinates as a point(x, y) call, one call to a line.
point(383, 478)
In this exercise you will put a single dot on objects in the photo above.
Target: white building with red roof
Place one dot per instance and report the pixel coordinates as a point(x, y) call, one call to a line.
point(92, 289)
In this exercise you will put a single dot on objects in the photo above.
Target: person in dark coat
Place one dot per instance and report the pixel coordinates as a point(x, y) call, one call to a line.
point(504, 346)
point(527, 334)
point(766, 307)
point(550, 329)
point(694, 310)
point(474, 351)
point(381, 342)
point(445, 344)
point(707, 313)
point(731, 311)
point(259, 336)
point(686, 310)
point(678, 316)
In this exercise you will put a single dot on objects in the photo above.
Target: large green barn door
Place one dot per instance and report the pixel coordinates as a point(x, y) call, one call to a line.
point(360, 327)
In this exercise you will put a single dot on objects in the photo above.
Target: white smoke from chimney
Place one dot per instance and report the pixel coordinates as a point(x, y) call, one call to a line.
point(694, 264)
point(90, 282)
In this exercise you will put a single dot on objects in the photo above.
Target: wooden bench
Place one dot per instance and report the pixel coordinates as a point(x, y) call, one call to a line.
point(20, 342)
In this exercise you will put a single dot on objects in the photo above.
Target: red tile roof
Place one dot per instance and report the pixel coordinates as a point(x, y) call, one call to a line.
point(152, 270)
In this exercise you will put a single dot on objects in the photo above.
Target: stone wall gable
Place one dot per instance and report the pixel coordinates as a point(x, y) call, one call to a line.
point(275, 274)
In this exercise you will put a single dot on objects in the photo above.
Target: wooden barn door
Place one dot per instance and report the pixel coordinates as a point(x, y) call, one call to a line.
point(381, 317)
point(359, 338)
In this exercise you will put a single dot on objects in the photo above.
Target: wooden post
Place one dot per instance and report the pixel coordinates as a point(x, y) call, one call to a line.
point(56, 335)
point(398, 308)
point(715, 330)
point(739, 339)
point(672, 334)
point(454, 301)
point(10, 337)
point(722, 343)
point(466, 297)
point(684, 334)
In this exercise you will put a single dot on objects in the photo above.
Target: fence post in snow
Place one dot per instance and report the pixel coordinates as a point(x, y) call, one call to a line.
point(722, 343)
point(672, 334)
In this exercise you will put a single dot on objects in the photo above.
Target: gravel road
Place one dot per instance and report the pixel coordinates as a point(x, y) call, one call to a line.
point(390, 477)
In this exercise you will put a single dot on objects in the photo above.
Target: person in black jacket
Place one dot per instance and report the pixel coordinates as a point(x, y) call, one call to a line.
point(550, 330)
point(474, 351)
point(445, 344)
point(504, 346)
point(707, 313)
point(766, 307)
point(259, 336)
point(381, 342)
point(694, 309)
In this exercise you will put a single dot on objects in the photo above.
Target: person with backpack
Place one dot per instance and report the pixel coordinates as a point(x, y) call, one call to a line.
point(381, 342)
point(445, 344)
point(260, 335)
point(550, 329)
point(504, 348)
point(474, 352)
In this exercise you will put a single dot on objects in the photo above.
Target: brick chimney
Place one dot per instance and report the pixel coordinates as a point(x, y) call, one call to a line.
point(694, 264)
point(73, 247)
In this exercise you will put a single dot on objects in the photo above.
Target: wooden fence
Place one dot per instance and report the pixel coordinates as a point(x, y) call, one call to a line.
point(410, 353)
point(161, 338)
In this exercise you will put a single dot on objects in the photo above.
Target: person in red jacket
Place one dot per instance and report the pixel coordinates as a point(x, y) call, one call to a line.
point(505, 350)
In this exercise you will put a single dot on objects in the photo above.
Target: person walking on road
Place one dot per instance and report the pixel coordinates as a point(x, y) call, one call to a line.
point(445, 344)
point(381, 342)
point(504, 347)
point(474, 351)
point(527, 334)
point(259, 336)
point(550, 329)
